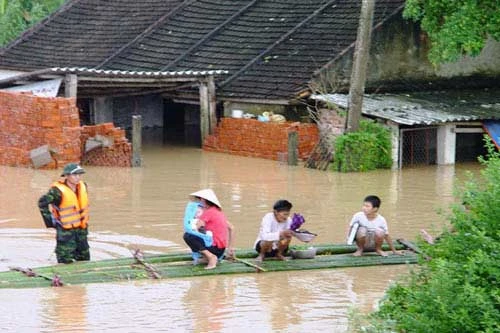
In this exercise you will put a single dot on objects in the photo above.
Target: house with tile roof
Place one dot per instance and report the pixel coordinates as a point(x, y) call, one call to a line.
point(252, 55)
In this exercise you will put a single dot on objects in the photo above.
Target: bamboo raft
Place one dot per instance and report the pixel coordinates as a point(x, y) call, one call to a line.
point(176, 265)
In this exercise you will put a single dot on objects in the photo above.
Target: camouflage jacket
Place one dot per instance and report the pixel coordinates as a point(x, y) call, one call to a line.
point(52, 197)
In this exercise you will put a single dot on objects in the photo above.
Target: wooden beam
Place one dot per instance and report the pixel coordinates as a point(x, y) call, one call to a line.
point(467, 130)
point(256, 101)
point(204, 111)
point(90, 91)
point(212, 104)
point(145, 79)
point(128, 84)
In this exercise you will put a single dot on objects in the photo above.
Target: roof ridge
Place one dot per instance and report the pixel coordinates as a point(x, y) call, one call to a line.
point(37, 26)
point(276, 43)
point(146, 32)
point(209, 35)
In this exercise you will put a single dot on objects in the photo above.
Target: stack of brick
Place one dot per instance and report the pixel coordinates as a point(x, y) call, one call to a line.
point(28, 122)
point(250, 137)
point(119, 154)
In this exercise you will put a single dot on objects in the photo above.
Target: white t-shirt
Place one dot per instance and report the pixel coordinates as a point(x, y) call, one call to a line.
point(378, 222)
point(270, 229)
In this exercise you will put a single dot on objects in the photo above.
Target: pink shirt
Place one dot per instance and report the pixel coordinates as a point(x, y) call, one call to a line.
point(216, 222)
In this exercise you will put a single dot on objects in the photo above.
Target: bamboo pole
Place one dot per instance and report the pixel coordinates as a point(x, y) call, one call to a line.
point(179, 265)
point(186, 269)
point(250, 264)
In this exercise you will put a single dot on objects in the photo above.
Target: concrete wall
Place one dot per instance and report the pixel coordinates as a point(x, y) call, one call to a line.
point(398, 61)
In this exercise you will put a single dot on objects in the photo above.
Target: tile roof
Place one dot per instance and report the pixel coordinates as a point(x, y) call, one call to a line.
point(271, 48)
point(427, 108)
point(83, 33)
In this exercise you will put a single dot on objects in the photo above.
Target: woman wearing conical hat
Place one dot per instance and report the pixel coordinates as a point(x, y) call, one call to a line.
point(212, 219)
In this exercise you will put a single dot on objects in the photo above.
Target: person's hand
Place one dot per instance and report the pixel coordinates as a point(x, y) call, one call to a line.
point(230, 253)
point(286, 233)
point(199, 223)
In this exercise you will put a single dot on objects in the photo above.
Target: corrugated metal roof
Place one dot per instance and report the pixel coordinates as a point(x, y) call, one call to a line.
point(426, 108)
point(143, 74)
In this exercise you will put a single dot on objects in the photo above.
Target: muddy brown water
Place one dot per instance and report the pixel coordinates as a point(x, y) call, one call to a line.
point(143, 208)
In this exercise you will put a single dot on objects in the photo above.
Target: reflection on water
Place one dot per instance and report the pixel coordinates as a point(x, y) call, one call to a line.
point(143, 208)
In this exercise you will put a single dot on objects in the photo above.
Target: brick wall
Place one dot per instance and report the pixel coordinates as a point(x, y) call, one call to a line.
point(28, 122)
point(119, 154)
point(250, 137)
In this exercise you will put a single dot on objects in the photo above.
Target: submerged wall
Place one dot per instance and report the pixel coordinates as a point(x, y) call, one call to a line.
point(250, 137)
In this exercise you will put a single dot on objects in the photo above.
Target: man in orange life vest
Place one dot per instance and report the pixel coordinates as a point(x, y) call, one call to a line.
point(69, 214)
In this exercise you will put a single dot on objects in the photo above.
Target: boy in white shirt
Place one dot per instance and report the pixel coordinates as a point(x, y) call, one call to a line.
point(372, 230)
point(275, 234)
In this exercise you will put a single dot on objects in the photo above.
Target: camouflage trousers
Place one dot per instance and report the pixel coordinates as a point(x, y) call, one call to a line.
point(72, 245)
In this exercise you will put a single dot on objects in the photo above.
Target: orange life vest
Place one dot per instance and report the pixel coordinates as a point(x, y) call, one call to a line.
point(73, 211)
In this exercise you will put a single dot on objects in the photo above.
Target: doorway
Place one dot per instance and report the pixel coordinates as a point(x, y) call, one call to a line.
point(181, 124)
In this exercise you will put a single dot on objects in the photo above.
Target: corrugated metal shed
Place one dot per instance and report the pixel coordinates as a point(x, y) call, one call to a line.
point(427, 108)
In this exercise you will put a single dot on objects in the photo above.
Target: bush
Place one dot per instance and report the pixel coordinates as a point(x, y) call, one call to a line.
point(458, 289)
point(364, 150)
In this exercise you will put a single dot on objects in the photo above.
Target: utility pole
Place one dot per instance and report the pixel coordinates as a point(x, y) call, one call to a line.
point(359, 66)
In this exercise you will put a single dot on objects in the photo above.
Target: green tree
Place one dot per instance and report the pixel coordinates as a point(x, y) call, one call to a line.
point(455, 27)
point(18, 15)
point(458, 289)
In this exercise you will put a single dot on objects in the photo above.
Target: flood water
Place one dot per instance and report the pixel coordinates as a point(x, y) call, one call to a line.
point(143, 207)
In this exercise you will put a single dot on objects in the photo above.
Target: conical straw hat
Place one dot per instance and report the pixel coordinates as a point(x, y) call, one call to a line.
point(209, 195)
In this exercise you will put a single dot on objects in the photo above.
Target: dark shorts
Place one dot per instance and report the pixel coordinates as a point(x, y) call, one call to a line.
point(270, 254)
point(197, 244)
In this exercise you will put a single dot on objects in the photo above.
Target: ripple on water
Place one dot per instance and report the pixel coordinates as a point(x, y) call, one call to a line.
point(143, 207)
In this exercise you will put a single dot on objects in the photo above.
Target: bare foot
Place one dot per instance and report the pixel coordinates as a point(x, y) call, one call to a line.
point(358, 253)
point(280, 257)
point(201, 261)
point(212, 262)
point(382, 253)
point(260, 258)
